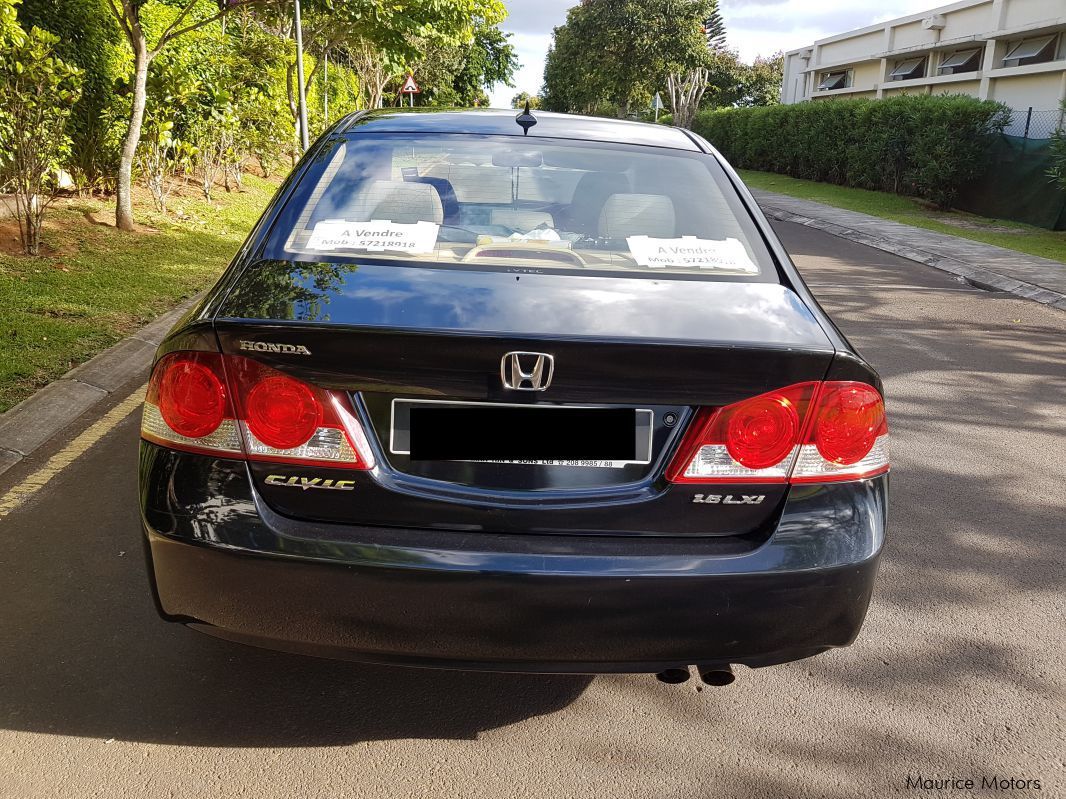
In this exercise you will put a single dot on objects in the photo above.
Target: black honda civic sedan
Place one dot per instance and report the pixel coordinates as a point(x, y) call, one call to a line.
point(522, 393)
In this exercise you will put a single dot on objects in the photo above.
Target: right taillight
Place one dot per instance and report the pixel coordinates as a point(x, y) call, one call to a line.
point(803, 433)
point(847, 437)
point(230, 405)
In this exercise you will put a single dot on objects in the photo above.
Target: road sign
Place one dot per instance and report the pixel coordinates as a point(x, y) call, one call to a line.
point(657, 105)
point(410, 88)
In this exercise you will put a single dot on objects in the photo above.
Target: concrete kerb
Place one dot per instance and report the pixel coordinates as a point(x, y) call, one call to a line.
point(977, 275)
point(27, 426)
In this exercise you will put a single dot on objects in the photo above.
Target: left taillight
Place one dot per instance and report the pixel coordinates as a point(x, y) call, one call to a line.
point(803, 433)
point(211, 403)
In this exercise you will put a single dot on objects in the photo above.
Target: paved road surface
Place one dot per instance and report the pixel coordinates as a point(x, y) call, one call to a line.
point(958, 673)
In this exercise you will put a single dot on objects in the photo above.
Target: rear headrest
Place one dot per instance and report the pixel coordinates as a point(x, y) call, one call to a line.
point(637, 215)
point(522, 221)
point(403, 203)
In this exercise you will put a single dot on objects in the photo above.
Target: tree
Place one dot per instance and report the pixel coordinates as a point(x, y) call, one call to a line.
point(714, 28)
point(488, 59)
point(375, 67)
point(389, 25)
point(39, 90)
point(459, 73)
point(89, 39)
point(686, 89)
point(520, 100)
point(731, 83)
point(620, 51)
point(727, 79)
point(190, 16)
point(762, 81)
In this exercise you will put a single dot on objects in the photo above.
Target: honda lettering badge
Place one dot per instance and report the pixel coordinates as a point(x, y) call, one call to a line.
point(527, 371)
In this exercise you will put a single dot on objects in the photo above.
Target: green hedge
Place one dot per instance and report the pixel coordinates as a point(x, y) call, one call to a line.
point(924, 145)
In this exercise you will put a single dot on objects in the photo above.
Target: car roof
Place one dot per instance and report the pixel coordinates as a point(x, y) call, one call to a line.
point(502, 123)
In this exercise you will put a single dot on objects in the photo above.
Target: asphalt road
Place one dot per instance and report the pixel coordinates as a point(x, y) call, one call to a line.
point(958, 672)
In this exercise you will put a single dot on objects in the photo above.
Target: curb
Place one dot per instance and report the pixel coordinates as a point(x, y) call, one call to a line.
point(26, 427)
point(977, 275)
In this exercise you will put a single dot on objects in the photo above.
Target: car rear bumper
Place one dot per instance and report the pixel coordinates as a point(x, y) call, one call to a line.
point(546, 622)
point(540, 603)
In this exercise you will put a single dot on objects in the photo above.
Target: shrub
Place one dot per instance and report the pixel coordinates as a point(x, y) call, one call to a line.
point(89, 38)
point(928, 146)
point(1057, 154)
point(38, 90)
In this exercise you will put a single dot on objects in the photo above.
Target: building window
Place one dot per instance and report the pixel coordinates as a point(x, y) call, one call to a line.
point(833, 80)
point(1038, 50)
point(961, 61)
point(909, 69)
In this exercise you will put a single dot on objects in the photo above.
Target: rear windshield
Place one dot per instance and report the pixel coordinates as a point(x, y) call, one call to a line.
point(477, 201)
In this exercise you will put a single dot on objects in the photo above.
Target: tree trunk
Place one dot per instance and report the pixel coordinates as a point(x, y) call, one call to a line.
point(124, 188)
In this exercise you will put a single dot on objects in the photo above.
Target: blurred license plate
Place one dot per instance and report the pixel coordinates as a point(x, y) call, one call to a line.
point(534, 435)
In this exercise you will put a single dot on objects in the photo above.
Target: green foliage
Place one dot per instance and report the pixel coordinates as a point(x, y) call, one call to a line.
point(103, 284)
point(39, 90)
point(520, 100)
point(90, 39)
point(732, 83)
point(458, 73)
point(761, 80)
point(619, 52)
point(714, 28)
point(1057, 153)
point(488, 59)
point(922, 145)
point(11, 33)
point(219, 77)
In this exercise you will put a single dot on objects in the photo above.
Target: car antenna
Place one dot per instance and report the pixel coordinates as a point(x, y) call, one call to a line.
point(526, 119)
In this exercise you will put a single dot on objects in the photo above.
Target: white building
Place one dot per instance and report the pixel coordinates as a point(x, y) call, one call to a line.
point(1012, 51)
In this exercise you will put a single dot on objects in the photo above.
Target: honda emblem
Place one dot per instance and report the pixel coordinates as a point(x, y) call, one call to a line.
point(527, 371)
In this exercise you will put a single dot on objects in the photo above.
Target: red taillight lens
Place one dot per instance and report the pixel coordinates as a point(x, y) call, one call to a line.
point(807, 432)
point(282, 412)
point(850, 418)
point(754, 440)
point(762, 431)
point(191, 397)
point(228, 404)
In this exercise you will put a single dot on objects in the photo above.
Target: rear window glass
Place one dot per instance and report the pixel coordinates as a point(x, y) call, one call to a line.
point(504, 201)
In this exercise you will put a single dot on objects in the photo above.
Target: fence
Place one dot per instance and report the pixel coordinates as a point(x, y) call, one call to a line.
point(1031, 123)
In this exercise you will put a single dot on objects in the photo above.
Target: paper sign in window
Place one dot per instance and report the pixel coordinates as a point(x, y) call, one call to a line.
point(374, 236)
point(689, 251)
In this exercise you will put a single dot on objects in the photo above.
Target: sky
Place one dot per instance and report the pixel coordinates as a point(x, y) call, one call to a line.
point(753, 27)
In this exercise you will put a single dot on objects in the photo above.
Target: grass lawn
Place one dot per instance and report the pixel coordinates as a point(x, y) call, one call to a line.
point(96, 285)
point(910, 211)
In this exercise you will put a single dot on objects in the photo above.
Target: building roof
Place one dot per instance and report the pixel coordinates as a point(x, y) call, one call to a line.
point(487, 121)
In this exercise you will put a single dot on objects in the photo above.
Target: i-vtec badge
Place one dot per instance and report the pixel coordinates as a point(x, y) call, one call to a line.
point(270, 346)
point(310, 482)
point(729, 499)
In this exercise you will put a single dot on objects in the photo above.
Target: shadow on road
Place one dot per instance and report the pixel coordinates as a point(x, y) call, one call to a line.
point(84, 653)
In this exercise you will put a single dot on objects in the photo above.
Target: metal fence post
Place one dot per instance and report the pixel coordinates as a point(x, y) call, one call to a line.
point(1028, 122)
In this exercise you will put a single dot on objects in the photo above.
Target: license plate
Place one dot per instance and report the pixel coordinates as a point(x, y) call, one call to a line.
point(531, 435)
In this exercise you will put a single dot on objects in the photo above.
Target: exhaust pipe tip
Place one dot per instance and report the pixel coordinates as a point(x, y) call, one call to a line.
point(717, 676)
point(673, 676)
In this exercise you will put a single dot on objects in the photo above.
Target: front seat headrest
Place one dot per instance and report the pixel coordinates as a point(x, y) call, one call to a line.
point(637, 215)
point(403, 203)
